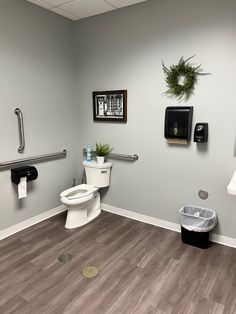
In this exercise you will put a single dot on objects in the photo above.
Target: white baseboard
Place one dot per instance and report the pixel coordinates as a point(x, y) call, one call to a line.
point(140, 217)
point(217, 238)
point(30, 222)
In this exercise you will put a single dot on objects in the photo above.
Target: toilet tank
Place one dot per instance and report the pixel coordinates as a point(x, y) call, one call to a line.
point(97, 175)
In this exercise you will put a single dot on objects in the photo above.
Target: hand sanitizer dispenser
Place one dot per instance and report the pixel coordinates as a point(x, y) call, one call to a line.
point(201, 132)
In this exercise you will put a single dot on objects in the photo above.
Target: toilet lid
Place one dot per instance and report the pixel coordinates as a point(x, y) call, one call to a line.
point(78, 191)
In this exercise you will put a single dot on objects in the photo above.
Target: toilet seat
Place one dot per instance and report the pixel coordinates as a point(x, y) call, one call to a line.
point(77, 194)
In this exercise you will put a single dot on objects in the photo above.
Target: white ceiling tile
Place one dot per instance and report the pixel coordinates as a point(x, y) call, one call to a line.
point(85, 8)
point(55, 3)
point(65, 14)
point(41, 3)
point(75, 9)
point(123, 3)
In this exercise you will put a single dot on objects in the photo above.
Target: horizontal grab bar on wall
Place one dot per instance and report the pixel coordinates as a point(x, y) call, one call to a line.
point(131, 157)
point(60, 154)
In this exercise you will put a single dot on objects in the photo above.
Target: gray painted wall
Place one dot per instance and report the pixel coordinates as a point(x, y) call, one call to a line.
point(38, 74)
point(49, 67)
point(123, 50)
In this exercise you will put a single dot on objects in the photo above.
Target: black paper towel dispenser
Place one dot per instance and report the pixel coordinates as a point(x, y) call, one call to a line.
point(29, 172)
point(178, 123)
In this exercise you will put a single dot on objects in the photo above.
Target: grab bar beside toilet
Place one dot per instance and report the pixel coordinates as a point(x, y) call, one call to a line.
point(21, 148)
point(61, 154)
point(131, 157)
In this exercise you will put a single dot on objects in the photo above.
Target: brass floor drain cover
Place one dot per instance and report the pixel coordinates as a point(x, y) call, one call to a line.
point(90, 272)
point(65, 257)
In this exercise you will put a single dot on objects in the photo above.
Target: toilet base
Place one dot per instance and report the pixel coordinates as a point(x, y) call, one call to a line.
point(82, 214)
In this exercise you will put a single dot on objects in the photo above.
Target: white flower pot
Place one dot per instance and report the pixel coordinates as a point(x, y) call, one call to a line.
point(100, 159)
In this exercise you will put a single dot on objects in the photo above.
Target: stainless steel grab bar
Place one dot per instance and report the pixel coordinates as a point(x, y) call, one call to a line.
point(21, 148)
point(131, 157)
point(33, 159)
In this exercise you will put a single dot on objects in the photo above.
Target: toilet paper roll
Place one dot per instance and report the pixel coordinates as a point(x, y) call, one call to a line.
point(22, 188)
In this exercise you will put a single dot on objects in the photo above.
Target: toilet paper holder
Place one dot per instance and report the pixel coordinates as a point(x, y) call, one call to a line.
point(29, 172)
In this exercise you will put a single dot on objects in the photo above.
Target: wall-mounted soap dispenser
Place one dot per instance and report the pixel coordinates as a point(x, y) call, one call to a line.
point(201, 132)
point(178, 124)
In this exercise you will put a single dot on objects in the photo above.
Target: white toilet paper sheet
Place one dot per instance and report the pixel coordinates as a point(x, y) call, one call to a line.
point(22, 188)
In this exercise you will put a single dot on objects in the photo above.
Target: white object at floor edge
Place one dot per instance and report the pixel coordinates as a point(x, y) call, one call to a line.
point(231, 188)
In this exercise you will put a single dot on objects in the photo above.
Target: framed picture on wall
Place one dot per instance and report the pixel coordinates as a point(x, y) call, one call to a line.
point(110, 106)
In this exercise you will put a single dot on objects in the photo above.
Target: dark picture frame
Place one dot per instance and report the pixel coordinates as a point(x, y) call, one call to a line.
point(110, 106)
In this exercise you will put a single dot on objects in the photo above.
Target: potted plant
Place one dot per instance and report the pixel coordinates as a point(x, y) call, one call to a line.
point(101, 152)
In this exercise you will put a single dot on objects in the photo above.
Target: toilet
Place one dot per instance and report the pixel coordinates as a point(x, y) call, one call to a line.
point(83, 201)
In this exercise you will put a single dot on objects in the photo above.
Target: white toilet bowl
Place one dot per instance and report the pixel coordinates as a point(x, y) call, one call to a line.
point(83, 201)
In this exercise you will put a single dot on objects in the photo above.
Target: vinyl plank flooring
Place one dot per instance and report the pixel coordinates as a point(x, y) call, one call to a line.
point(14, 304)
point(142, 269)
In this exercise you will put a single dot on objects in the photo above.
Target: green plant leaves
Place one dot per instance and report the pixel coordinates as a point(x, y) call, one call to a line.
point(190, 74)
point(102, 150)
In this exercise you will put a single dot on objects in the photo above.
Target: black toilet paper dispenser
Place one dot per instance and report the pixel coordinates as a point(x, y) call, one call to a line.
point(178, 124)
point(29, 172)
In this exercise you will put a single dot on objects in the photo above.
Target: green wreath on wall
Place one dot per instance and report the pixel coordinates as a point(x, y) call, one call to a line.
point(181, 78)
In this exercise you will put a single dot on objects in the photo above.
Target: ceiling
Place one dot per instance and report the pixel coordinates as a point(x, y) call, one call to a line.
point(78, 9)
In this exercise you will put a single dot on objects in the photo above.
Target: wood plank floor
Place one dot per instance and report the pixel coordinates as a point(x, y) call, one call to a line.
point(143, 269)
